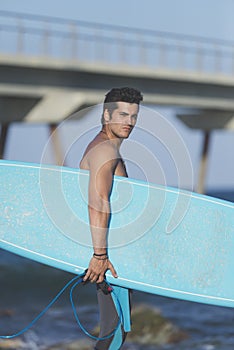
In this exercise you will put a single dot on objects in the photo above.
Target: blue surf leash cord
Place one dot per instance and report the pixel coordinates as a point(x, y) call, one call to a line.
point(73, 283)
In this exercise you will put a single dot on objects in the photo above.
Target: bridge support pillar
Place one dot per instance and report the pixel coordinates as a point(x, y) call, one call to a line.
point(203, 163)
point(56, 144)
point(3, 138)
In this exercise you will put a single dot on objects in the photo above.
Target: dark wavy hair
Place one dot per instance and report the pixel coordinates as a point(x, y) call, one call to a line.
point(124, 94)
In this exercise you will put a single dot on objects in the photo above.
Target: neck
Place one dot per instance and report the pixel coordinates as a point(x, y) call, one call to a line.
point(110, 136)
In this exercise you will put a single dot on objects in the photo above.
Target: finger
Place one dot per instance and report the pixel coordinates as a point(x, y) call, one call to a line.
point(100, 279)
point(112, 270)
point(89, 275)
point(94, 278)
point(86, 276)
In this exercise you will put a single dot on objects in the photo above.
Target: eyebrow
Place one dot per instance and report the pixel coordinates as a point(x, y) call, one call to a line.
point(125, 113)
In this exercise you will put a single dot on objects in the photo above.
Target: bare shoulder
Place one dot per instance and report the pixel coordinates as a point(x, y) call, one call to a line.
point(99, 154)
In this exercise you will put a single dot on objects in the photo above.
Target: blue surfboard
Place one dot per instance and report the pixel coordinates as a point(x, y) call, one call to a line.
point(162, 240)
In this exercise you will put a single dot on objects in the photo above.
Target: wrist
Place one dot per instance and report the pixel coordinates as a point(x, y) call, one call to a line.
point(103, 256)
point(99, 251)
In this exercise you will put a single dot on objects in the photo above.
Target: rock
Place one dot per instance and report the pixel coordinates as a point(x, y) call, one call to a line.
point(150, 327)
point(12, 344)
point(82, 344)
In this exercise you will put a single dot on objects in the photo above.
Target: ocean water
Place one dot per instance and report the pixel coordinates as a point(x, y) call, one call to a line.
point(27, 287)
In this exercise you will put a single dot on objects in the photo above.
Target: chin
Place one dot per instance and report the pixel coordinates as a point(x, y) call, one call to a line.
point(125, 136)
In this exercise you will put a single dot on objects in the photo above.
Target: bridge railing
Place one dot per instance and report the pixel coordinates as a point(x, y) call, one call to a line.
point(73, 40)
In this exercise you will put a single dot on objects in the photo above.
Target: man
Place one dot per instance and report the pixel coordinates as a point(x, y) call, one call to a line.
point(103, 160)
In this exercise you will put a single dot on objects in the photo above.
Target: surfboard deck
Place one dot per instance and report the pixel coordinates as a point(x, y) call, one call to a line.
point(161, 240)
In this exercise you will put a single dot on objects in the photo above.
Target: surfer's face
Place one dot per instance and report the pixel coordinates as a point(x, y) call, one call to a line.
point(122, 120)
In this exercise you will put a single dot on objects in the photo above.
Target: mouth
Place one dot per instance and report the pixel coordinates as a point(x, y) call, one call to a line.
point(127, 129)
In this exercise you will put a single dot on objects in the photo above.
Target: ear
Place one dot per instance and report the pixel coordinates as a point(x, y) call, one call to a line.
point(106, 115)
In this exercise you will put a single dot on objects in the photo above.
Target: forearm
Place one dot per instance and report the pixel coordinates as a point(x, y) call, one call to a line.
point(99, 220)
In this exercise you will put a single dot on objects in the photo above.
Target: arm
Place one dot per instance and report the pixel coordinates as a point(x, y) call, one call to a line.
point(102, 165)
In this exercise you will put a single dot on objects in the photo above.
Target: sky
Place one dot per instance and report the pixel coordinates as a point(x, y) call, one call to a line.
point(209, 18)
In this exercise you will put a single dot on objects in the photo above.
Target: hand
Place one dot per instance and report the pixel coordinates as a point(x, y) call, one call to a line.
point(97, 269)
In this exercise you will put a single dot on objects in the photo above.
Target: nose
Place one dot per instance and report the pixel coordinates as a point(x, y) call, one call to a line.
point(130, 120)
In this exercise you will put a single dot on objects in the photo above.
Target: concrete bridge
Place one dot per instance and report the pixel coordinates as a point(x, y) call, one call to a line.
point(52, 67)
